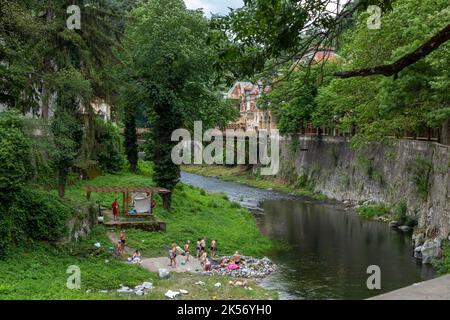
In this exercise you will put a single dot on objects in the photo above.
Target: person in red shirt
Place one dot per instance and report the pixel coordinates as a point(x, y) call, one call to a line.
point(115, 208)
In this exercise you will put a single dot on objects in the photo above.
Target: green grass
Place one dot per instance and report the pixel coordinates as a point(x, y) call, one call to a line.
point(195, 214)
point(39, 273)
point(236, 174)
point(373, 211)
point(39, 270)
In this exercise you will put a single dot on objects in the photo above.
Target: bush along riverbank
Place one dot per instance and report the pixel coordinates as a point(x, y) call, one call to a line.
point(38, 270)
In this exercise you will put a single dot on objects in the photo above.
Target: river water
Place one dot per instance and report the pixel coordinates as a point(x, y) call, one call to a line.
point(328, 247)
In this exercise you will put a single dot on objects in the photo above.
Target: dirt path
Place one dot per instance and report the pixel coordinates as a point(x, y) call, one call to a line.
point(154, 264)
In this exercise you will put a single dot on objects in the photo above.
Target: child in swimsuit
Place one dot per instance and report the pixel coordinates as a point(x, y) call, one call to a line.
point(187, 250)
point(213, 248)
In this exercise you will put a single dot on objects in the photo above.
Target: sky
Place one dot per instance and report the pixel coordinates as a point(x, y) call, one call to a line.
point(214, 6)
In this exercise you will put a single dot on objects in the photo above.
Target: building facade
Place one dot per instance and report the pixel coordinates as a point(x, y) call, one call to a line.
point(246, 95)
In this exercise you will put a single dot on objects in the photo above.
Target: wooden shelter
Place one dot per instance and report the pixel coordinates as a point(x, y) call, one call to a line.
point(126, 192)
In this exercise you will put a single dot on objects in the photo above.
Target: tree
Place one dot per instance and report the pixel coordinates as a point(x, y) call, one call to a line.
point(67, 130)
point(172, 67)
point(264, 34)
point(71, 66)
point(394, 68)
point(130, 109)
point(414, 99)
point(294, 100)
point(18, 56)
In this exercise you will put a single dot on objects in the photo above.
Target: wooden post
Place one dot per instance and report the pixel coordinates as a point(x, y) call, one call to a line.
point(124, 200)
point(445, 133)
point(167, 201)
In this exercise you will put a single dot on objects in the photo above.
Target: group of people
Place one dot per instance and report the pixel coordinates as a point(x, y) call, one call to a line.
point(201, 253)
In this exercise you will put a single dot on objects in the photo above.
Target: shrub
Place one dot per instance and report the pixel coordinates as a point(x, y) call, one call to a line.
point(421, 170)
point(372, 211)
point(401, 214)
point(15, 154)
point(442, 266)
point(108, 150)
point(32, 214)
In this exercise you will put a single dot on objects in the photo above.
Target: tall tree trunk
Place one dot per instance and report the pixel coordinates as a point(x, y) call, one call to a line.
point(46, 92)
point(131, 147)
point(167, 201)
point(445, 133)
point(62, 179)
point(45, 107)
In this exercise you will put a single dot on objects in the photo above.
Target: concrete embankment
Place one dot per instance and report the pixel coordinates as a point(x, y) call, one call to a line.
point(435, 289)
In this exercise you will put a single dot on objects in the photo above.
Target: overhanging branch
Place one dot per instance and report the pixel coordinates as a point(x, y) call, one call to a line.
point(405, 61)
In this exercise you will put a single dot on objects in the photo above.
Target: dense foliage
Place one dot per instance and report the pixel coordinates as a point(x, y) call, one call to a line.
point(15, 154)
point(415, 100)
point(108, 149)
point(172, 74)
point(25, 212)
point(375, 108)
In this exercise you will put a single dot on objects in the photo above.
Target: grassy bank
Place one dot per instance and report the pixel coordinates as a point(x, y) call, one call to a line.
point(237, 174)
point(39, 272)
point(195, 214)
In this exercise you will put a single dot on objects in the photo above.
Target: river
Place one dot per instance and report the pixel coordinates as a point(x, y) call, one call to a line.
point(327, 246)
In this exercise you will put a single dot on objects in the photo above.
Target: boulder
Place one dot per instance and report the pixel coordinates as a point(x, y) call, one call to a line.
point(393, 224)
point(430, 250)
point(418, 239)
point(405, 228)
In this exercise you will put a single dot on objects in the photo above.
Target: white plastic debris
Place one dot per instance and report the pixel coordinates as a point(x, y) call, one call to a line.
point(124, 290)
point(147, 285)
point(171, 294)
point(182, 291)
point(163, 273)
point(140, 292)
point(97, 245)
point(217, 285)
point(201, 283)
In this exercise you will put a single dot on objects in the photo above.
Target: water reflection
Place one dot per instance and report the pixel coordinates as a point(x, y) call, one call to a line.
point(329, 248)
